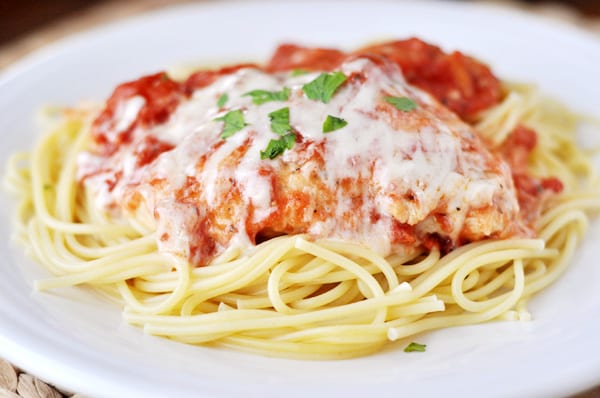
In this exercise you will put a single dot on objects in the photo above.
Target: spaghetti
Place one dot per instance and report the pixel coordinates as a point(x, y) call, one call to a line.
point(298, 295)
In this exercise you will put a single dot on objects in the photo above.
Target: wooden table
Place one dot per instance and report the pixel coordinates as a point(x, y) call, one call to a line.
point(13, 382)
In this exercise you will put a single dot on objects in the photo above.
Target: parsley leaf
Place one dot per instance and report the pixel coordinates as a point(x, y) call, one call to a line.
point(222, 100)
point(298, 72)
point(324, 86)
point(415, 347)
point(277, 147)
point(280, 121)
point(233, 122)
point(333, 123)
point(261, 96)
point(402, 103)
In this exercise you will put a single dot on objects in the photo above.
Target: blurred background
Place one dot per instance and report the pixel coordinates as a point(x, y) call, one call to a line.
point(20, 19)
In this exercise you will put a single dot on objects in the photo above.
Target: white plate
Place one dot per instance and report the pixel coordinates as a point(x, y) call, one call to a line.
point(76, 340)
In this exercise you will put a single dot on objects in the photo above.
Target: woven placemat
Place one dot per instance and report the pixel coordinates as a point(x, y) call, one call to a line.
point(16, 383)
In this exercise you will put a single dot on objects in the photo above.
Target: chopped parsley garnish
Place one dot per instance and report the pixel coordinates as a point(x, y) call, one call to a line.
point(324, 86)
point(333, 123)
point(280, 124)
point(415, 347)
point(280, 121)
point(298, 72)
point(233, 122)
point(222, 100)
point(402, 103)
point(277, 147)
point(261, 96)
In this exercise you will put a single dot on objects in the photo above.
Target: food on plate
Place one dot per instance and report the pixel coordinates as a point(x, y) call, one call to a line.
point(319, 205)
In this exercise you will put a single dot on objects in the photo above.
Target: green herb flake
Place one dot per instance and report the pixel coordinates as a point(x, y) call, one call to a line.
point(280, 121)
point(402, 103)
point(298, 72)
point(277, 147)
point(324, 86)
point(261, 96)
point(333, 123)
point(222, 100)
point(415, 347)
point(233, 122)
point(47, 187)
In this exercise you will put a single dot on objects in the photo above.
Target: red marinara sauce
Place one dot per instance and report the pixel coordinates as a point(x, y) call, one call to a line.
point(461, 83)
point(161, 94)
point(532, 191)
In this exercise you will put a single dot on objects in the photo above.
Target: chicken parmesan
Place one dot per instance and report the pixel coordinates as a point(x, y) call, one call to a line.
point(317, 205)
point(387, 176)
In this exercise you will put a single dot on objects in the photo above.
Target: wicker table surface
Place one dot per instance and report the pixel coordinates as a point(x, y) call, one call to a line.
point(15, 383)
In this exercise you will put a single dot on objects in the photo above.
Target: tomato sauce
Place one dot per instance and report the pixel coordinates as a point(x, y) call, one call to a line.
point(461, 83)
point(532, 191)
